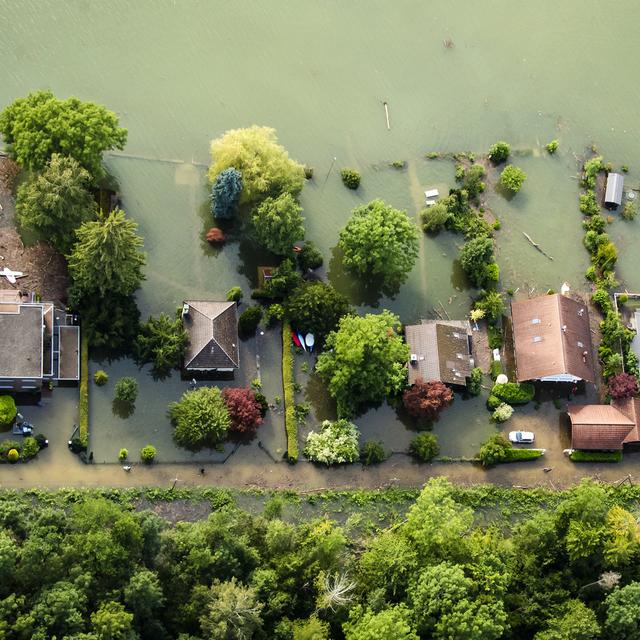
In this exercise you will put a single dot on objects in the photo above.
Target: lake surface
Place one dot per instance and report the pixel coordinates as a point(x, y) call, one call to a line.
point(181, 73)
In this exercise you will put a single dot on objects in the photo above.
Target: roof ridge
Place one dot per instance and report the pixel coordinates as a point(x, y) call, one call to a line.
point(563, 335)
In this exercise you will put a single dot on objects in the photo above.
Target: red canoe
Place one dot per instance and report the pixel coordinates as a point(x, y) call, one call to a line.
point(295, 339)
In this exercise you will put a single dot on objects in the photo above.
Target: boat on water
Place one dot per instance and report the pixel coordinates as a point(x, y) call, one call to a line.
point(301, 339)
point(296, 340)
point(309, 341)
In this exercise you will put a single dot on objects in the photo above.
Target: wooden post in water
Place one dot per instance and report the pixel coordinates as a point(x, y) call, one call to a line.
point(386, 113)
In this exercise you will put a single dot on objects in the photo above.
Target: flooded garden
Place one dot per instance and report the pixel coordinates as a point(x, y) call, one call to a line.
point(178, 79)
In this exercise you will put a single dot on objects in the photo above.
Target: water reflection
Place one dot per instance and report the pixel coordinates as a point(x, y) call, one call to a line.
point(122, 409)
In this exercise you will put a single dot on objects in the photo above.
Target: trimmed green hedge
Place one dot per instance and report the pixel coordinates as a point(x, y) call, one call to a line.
point(514, 393)
point(290, 422)
point(84, 391)
point(596, 456)
point(517, 455)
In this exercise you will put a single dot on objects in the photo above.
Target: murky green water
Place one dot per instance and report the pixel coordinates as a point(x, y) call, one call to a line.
point(181, 73)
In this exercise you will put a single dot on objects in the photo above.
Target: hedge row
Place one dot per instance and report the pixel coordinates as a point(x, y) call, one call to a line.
point(596, 456)
point(516, 455)
point(514, 393)
point(84, 391)
point(290, 422)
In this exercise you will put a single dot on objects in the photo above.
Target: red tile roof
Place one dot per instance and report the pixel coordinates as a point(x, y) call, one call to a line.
point(599, 427)
point(551, 337)
point(631, 408)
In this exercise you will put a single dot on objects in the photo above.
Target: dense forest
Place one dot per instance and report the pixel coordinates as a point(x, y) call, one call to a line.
point(90, 565)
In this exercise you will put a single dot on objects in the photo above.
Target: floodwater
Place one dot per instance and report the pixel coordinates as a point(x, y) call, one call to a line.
point(181, 73)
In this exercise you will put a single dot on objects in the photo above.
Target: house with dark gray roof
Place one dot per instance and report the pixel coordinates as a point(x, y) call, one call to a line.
point(38, 343)
point(213, 336)
point(440, 350)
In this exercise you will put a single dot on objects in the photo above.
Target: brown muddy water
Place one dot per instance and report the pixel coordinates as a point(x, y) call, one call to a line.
point(179, 74)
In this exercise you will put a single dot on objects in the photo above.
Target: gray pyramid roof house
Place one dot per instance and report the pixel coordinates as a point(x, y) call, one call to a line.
point(213, 335)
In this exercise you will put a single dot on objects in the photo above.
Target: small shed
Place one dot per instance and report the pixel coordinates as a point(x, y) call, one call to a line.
point(615, 187)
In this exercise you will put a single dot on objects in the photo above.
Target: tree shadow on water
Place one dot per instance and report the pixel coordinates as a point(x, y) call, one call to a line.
point(360, 291)
point(122, 409)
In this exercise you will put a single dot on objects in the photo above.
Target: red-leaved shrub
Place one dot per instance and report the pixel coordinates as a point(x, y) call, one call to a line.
point(215, 236)
point(425, 400)
point(623, 385)
point(244, 410)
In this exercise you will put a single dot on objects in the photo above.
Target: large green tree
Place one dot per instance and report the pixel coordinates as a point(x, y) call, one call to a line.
point(265, 165)
point(364, 360)
point(623, 613)
point(201, 419)
point(56, 202)
point(39, 125)
point(381, 243)
point(107, 259)
point(162, 341)
point(475, 255)
point(277, 223)
point(394, 622)
point(316, 307)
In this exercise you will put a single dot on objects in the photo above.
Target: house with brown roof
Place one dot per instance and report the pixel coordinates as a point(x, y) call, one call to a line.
point(213, 336)
point(552, 340)
point(440, 350)
point(38, 343)
point(600, 427)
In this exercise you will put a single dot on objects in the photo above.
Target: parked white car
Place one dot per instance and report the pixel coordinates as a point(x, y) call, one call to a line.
point(522, 437)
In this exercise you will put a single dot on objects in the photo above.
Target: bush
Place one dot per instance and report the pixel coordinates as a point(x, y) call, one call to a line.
point(514, 393)
point(290, 422)
point(200, 418)
point(494, 450)
point(8, 410)
point(474, 386)
point(492, 272)
point(424, 447)
point(148, 454)
point(100, 378)
point(606, 255)
point(425, 400)
point(495, 337)
point(336, 443)
point(13, 455)
point(234, 294)
point(350, 178)
point(284, 279)
point(6, 445)
point(244, 410)
point(435, 217)
point(623, 298)
point(123, 455)
point(126, 390)
point(595, 456)
point(372, 452)
point(502, 412)
point(249, 320)
point(492, 303)
point(274, 313)
point(512, 178)
point(495, 368)
point(475, 255)
point(30, 448)
point(588, 203)
point(629, 210)
point(499, 152)
point(591, 169)
point(622, 385)
point(493, 402)
point(602, 300)
point(552, 146)
point(309, 257)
